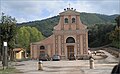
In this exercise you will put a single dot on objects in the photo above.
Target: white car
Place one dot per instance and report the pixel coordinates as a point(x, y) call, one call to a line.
point(56, 58)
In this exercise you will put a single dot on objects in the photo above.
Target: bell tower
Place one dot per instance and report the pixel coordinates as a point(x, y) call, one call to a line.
point(70, 20)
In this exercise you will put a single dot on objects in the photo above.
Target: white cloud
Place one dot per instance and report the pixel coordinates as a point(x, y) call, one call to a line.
point(21, 19)
point(31, 10)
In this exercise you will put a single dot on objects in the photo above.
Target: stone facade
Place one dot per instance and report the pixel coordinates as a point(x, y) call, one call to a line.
point(70, 37)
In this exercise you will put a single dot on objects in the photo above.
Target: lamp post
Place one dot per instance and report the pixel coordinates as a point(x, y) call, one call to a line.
point(5, 56)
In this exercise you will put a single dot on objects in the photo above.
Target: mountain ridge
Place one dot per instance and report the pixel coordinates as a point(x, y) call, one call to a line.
point(113, 15)
point(46, 25)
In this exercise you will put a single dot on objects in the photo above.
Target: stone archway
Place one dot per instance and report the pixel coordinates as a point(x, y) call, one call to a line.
point(70, 48)
point(70, 40)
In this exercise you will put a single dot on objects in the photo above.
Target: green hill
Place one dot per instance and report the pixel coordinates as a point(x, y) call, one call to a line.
point(46, 25)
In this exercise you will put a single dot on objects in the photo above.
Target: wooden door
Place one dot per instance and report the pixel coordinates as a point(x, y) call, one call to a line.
point(70, 51)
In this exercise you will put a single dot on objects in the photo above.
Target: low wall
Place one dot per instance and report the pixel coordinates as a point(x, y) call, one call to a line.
point(113, 51)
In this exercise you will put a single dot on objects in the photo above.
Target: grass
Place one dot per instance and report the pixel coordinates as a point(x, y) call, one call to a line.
point(10, 71)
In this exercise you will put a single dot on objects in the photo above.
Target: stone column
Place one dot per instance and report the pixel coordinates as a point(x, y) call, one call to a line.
point(62, 22)
point(56, 44)
point(69, 18)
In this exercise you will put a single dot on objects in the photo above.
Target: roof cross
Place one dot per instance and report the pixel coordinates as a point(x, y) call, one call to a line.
point(69, 5)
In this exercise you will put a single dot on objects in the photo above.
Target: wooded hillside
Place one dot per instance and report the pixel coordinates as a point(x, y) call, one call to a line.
point(99, 27)
point(46, 25)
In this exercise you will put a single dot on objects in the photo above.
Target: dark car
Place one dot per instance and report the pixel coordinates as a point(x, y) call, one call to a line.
point(44, 57)
point(56, 58)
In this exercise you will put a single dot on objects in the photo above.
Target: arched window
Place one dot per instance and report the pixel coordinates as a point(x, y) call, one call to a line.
point(70, 40)
point(66, 20)
point(42, 47)
point(73, 20)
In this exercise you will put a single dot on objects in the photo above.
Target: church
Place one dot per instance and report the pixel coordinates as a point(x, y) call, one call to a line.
point(70, 37)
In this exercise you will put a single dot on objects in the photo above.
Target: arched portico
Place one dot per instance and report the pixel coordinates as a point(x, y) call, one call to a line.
point(70, 47)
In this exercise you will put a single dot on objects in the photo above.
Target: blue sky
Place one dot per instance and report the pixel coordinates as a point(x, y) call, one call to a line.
point(30, 10)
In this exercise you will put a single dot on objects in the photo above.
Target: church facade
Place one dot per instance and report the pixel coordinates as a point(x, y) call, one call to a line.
point(70, 37)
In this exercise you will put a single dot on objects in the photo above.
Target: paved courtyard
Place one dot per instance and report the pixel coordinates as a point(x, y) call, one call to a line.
point(103, 66)
point(64, 67)
point(68, 67)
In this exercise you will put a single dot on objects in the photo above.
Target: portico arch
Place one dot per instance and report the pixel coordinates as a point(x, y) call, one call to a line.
point(70, 40)
point(70, 48)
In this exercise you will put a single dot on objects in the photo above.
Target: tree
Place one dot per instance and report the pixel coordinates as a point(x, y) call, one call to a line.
point(27, 35)
point(7, 32)
point(99, 34)
point(35, 35)
point(114, 35)
point(23, 37)
point(117, 19)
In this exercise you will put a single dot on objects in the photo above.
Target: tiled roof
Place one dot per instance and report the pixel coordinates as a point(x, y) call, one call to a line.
point(17, 49)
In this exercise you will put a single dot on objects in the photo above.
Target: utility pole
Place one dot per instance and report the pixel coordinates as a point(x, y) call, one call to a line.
point(5, 56)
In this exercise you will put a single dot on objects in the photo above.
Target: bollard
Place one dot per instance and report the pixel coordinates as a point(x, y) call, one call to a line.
point(40, 65)
point(95, 52)
point(91, 63)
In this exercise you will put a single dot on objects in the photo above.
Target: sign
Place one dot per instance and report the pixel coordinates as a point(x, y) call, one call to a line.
point(5, 43)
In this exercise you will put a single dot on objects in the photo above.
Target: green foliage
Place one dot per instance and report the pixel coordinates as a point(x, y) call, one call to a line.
point(23, 37)
point(90, 19)
point(117, 19)
point(7, 31)
point(46, 25)
point(114, 36)
point(99, 34)
point(116, 44)
point(99, 27)
point(35, 35)
point(27, 35)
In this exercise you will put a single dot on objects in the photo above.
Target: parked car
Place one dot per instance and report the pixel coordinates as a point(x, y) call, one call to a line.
point(44, 57)
point(56, 58)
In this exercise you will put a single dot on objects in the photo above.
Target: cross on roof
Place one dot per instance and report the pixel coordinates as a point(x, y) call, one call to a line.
point(69, 5)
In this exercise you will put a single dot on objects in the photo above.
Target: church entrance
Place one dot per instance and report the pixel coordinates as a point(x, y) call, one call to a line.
point(70, 48)
point(70, 52)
